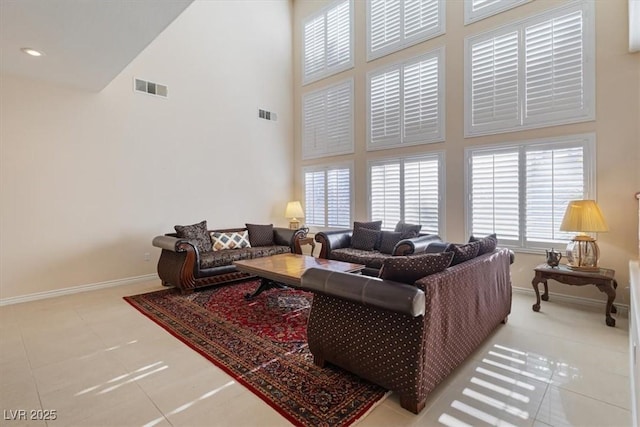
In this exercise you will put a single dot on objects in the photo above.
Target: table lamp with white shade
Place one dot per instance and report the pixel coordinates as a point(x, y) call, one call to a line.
point(583, 216)
point(294, 211)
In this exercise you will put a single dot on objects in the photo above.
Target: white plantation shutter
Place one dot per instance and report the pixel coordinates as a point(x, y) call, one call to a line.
point(327, 121)
point(474, 10)
point(554, 68)
point(405, 103)
point(521, 191)
point(494, 82)
point(385, 194)
point(495, 194)
point(422, 194)
point(393, 25)
point(554, 177)
point(406, 189)
point(327, 193)
point(535, 73)
point(328, 41)
point(339, 198)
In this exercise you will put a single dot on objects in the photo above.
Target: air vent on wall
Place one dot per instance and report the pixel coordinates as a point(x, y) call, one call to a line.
point(150, 88)
point(267, 115)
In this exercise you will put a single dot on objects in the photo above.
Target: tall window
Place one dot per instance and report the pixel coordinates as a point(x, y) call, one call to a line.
point(328, 41)
point(327, 193)
point(327, 121)
point(520, 192)
point(405, 102)
point(536, 73)
point(474, 10)
point(396, 24)
point(408, 189)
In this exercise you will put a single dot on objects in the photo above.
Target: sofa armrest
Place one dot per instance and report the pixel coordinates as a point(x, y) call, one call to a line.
point(288, 237)
point(333, 240)
point(369, 291)
point(169, 243)
point(415, 245)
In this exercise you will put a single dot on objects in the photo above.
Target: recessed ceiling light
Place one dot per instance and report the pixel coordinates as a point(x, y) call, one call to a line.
point(31, 52)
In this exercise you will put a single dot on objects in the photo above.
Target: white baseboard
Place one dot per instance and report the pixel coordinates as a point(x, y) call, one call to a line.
point(622, 308)
point(78, 289)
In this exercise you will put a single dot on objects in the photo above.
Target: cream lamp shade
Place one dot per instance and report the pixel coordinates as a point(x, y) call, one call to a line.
point(294, 211)
point(583, 216)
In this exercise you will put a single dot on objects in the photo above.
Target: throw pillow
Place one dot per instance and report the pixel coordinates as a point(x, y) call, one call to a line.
point(408, 230)
point(260, 235)
point(488, 243)
point(388, 241)
point(462, 253)
point(197, 233)
point(231, 240)
point(372, 225)
point(364, 239)
point(408, 269)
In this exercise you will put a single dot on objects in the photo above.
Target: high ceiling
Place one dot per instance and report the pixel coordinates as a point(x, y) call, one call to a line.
point(86, 43)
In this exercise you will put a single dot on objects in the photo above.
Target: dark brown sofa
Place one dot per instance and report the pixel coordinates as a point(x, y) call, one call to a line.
point(182, 265)
point(407, 338)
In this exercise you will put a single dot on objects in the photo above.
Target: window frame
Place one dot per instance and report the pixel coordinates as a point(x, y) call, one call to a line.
point(471, 16)
point(326, 167)
point(588, 112)
point(326, 70)
point(324, 151)
point(587, 141)
point(403, 141)
point(437, 155)
point(404, 42)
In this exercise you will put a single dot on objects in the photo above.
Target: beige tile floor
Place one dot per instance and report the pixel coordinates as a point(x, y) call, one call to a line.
point(98, 362)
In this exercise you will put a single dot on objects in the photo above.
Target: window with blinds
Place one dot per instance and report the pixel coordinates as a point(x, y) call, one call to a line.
point(520, 192)
point(327, 193)
point(475, 10)
point(536, 73)
point(327, 121)
point(407, 189)
point(328, 41)
point(393, 25)
point(405, 102)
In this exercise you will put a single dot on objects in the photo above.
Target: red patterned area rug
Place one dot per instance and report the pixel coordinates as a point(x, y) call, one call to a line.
point(263, 345)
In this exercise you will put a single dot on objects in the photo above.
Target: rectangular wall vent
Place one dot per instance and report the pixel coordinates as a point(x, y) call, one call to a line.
point(267, 115)
point(150, 88)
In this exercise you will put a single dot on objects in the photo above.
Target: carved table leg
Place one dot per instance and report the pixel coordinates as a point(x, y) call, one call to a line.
point(611, 296)
point(545, 296)
point(265, 284)
point(615, 286)
point(534, 283)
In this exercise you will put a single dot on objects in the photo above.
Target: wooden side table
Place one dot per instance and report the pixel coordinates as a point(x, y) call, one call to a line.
point(308, 241)
point(603, 279)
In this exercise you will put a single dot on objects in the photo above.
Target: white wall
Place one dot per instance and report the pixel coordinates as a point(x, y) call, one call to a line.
point(87, 180)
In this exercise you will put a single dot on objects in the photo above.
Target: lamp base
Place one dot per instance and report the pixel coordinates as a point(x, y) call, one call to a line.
point(579, 268)
point(294, 224)
point(583, 254)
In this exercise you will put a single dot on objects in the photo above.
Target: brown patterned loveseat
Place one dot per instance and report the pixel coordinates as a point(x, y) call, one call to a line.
point(204, 257)
point(407, 338)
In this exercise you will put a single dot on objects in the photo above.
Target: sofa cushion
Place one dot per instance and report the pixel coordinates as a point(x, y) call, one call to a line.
point(196, 233)
point(462, 253)
point(229, 240)
point(260, 235)
point(408, 230)
point(488, 243)
point(372, 225)
point(408, 269)
point(228, 256)
point(389, 240)
point(364, 238)
point(372, 259)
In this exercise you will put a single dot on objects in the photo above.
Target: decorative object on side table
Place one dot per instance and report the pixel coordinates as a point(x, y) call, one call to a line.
point(583, 216)
point(294, 211)
point(553, 258)
point(603, 279)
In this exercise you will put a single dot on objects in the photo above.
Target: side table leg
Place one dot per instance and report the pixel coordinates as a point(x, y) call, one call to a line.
point(545, 296)
point(611, 296)
point(534, 283)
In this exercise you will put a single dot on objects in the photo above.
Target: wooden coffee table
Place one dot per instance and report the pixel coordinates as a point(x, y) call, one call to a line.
point(287, 269)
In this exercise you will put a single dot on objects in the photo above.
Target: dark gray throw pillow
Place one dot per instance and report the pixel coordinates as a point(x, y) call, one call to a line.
point(408, 230)
point(372, 225)
point(388, 241)
point(196, 233)
point(260, 235)
point(462, 253)
point(364, 239)
point(488, 243)
point(408, 269)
